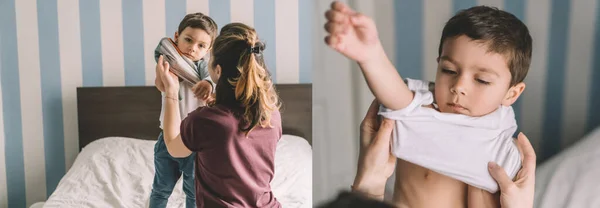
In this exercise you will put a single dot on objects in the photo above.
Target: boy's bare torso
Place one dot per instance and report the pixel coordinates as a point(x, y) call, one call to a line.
point(417, 187)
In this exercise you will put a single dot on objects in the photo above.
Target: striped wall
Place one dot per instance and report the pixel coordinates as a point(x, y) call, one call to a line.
point(559, 106)
point(50, 47)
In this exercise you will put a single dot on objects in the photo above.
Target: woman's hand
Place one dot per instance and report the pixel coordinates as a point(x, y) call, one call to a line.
point(520, 193)
point(375, 162)
point(170, 81)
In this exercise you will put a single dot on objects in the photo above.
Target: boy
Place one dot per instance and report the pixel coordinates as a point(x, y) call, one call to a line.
point(194, 38)
point(483, 58)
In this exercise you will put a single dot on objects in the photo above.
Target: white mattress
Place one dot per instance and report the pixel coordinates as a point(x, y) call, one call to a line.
point(118, 172)
point(571, 178)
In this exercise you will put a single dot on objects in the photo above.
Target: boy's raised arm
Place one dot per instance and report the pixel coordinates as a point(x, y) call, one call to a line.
point(355, 36)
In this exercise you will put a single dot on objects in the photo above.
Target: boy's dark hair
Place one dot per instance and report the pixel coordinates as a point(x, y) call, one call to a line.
point(199, 21)
point(502, 32)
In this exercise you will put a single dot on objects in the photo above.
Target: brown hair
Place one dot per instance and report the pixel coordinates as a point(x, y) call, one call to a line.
point(199, 21)
point(244, 79)
point(501, 31)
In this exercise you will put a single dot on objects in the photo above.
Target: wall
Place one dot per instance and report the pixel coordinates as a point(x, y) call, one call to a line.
point(50, 47)
point(558, 107)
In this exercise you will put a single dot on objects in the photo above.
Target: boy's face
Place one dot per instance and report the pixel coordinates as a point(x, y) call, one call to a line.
point(472, 81)
point(193, 42)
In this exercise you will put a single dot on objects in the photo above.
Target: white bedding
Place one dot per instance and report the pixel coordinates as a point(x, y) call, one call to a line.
point(118, 172)
point(571, 178)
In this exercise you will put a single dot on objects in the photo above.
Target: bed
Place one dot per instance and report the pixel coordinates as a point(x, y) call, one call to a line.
point(118, 127)
point(571, 178)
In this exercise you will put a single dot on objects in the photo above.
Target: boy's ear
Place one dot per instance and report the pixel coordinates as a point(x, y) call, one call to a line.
point(437, 59)
point(176, 36)
point(513, 94)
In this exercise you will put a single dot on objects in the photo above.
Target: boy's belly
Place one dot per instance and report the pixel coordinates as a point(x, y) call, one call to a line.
point(419, 187)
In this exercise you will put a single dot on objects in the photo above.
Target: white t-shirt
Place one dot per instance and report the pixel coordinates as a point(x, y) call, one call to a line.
point(187, 102)
point(454, 145)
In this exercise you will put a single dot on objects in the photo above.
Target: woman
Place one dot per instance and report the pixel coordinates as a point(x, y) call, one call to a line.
point(235, 138)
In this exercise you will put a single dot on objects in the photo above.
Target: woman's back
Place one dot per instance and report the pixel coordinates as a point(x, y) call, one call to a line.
point(230, 168)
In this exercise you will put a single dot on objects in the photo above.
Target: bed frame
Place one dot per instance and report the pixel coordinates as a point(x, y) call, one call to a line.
point(134, 111)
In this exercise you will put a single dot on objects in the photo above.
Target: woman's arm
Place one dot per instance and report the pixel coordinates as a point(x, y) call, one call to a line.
point(172, 119)
point(171, 123)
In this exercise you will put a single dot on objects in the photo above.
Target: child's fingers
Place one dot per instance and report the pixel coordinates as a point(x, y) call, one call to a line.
point(207, 93)
point(339, 6)
point(335, 16)
point(362, 21)
point(201, 93)
point(333, 41)
point(336, 5)
point(335, 28)
point(210, 100)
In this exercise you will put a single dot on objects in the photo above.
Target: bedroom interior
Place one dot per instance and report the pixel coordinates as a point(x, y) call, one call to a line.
point(50, 48)
point(118, 127)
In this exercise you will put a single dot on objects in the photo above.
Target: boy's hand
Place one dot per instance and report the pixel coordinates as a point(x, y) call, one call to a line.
point(170, 81)
point(210, 100)
point(352, 34)
point(202, 90)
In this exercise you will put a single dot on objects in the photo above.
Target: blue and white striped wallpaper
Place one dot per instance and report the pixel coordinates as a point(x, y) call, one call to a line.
point(562, 97)
point(50, 47)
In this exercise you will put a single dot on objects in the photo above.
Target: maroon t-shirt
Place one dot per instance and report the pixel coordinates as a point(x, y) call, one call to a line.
point(231, 170)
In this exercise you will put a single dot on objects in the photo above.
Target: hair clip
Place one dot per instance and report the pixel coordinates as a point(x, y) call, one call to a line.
point(255, 50)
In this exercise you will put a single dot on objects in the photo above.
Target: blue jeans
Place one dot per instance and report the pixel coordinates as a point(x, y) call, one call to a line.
point(167, 171)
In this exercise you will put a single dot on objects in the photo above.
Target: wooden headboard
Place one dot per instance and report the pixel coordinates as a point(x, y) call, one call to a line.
point(134, 111)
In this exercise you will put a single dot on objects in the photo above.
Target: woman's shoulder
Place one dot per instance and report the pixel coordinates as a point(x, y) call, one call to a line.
point(276, 115)
point(211, 117)
point(220, 112)
point(212, 112)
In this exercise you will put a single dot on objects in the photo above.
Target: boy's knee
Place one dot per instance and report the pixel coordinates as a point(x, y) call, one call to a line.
point(189, 187)
point(161, 192)
point(189, 192)
point(163, 188)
